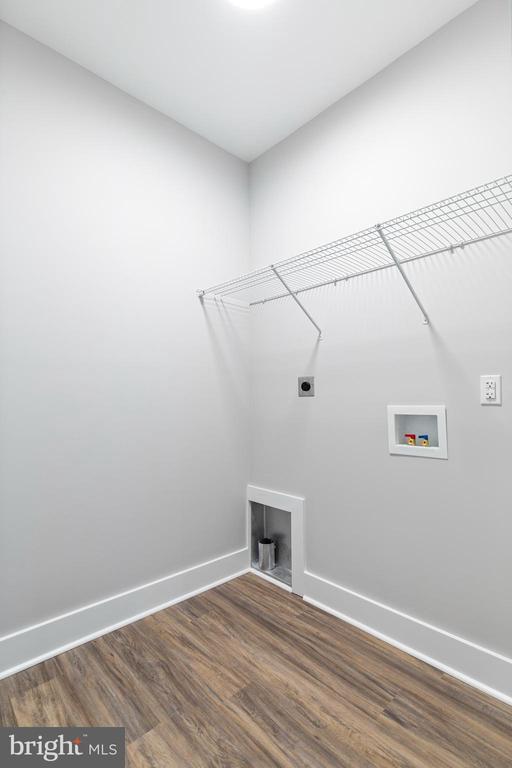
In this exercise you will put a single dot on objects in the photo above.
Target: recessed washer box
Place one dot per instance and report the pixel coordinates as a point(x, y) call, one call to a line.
point(406, 421)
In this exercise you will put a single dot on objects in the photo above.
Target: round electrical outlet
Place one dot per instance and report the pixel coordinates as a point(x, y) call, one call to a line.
point(306, 386)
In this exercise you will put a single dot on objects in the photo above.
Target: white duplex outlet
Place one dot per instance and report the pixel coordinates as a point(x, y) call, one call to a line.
point(490, 389)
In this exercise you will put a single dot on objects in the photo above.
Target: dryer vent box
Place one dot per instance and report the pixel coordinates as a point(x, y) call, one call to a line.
point(306, 386)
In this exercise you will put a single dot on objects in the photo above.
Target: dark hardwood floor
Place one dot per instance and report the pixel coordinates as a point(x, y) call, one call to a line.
point(248, 675)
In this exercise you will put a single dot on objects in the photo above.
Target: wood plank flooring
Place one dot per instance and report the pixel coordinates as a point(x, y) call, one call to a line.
point(248, 675)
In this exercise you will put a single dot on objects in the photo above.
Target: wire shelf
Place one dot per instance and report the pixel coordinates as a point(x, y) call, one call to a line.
point(470, 217)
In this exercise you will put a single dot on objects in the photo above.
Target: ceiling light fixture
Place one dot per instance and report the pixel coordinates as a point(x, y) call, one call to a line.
point(252, 5)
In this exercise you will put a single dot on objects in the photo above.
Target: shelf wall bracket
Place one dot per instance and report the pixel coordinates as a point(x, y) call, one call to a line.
point(384, 239)
point(294, 297)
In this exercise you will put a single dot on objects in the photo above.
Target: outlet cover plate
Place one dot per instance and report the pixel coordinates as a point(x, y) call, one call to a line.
point(490, 389)
point(306, 386)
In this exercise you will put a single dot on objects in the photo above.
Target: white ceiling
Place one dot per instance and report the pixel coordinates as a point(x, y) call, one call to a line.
point(242, 79)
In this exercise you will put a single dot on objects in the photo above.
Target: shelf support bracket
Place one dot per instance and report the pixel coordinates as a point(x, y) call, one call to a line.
point(294, 297)
point(404, 276)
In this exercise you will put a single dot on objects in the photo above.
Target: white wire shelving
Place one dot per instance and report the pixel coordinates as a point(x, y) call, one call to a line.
point(470, 217)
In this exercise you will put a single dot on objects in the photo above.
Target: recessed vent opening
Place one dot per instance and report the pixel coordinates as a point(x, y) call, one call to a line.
point(270, 523)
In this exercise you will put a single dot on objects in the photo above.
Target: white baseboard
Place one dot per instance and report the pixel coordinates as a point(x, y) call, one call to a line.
point(480, 667)
point(36, 643)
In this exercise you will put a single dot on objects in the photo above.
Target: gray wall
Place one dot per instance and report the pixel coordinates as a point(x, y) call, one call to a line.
point(123, 452)
point(123, 424)
point(431, 538)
